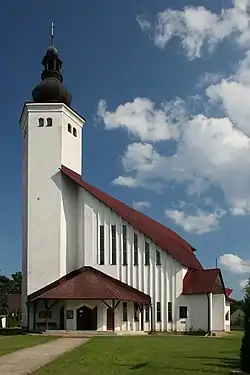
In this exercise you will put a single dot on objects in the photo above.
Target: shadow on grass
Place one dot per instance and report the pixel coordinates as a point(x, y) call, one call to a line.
point(225, 362)
point(157, 367)
point(12, 331)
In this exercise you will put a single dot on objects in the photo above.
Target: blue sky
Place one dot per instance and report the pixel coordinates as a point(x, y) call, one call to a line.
point(165, 97)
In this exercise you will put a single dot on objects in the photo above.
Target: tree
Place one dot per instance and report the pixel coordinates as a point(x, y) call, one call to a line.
point(8, 286)
point(5, 289)
point(16, 282)
point(245, 346)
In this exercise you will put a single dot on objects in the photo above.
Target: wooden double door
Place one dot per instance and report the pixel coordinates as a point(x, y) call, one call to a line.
point(86, 319)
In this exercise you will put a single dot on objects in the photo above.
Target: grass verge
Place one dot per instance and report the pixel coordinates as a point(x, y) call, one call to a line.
point(150, 354)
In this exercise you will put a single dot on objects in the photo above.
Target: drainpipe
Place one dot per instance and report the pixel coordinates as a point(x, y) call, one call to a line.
point(210, 313)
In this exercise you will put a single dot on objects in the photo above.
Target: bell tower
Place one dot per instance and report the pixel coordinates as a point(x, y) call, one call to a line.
point(52, 137)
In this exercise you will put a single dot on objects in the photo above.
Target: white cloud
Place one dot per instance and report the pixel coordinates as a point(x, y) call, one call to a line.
point(143, 119)
point(197, 26)
point(200, 223)
point(234, 264)
point(126, 181)
point(210, 151)
point(141, 205)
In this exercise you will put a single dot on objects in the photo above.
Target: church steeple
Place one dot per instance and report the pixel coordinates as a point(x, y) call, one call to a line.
point(51, 88)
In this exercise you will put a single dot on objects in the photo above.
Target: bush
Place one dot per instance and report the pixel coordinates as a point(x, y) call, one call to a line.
point(245, 346)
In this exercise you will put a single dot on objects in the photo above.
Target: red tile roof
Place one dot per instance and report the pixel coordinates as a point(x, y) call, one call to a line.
point(203, 281)
point(14, 302)
point(165, 238)
point(88, 283)
point(228, 292)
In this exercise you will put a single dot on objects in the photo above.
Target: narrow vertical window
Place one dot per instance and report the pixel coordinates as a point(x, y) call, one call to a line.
point(113, 244)
point(74, 132)
point(158, 258)
point(125, 312)
point(136, 312)
point(49, 121)
point(135, 249)
point(101, 244)
point(158, 312)
point(41, 122)
point(146, 313)
point(124, 245)
point(170, 315)
point(146, 253)
point(69, 128)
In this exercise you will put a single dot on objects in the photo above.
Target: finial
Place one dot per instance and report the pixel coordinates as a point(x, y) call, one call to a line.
point(52, 34)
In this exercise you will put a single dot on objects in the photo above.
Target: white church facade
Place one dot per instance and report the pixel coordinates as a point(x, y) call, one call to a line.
point(90, 262)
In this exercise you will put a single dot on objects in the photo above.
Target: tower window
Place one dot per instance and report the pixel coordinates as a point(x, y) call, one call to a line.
point(69, 128)
point(41, 122)
point(49, 121)
point(74, 132)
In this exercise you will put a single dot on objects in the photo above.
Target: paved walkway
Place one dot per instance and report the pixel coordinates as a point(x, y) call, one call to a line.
point(25, 361)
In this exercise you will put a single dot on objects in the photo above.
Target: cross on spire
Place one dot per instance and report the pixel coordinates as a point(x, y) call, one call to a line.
point(52, 34)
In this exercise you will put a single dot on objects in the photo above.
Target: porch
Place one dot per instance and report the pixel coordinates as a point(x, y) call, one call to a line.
point(89, 300)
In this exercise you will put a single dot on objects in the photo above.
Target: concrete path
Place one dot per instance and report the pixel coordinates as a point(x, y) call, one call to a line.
point(25, 361)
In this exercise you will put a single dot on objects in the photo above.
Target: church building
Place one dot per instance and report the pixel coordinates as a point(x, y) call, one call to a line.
point(89, 261)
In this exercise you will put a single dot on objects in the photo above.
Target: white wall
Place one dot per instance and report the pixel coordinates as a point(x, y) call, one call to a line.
point(197, 305)
point(219, 304)
point(227, 321)
point(163, 283)
point(46, 196)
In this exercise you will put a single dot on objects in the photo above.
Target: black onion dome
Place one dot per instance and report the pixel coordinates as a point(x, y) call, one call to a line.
point(51, 88)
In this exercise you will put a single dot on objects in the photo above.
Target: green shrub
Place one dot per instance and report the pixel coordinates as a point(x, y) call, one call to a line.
point(245, 346)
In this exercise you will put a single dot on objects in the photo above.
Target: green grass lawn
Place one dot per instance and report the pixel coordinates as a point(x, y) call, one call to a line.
point(149, 355)
point(11, 343)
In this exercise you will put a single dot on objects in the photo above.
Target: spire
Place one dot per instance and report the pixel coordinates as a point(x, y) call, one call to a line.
point(51, 88)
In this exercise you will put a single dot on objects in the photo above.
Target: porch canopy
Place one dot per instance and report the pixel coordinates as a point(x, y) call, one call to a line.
point(88, 283)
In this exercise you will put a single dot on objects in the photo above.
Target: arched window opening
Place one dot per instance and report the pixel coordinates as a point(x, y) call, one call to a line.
point(49, 121)
point(41, 122)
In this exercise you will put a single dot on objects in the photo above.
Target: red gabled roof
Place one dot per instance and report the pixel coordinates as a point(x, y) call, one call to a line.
point(14, 302)
point(228, 292)
point(165, 238)
point(203, 281)
point(88, 283)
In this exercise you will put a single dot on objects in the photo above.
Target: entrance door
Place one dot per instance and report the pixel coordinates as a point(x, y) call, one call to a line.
point(62, 317)
point(86, 319)
point(110, 319)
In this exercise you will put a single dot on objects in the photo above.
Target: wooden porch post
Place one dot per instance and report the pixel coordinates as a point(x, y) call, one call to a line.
point(34, 315)
point(46, 315)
